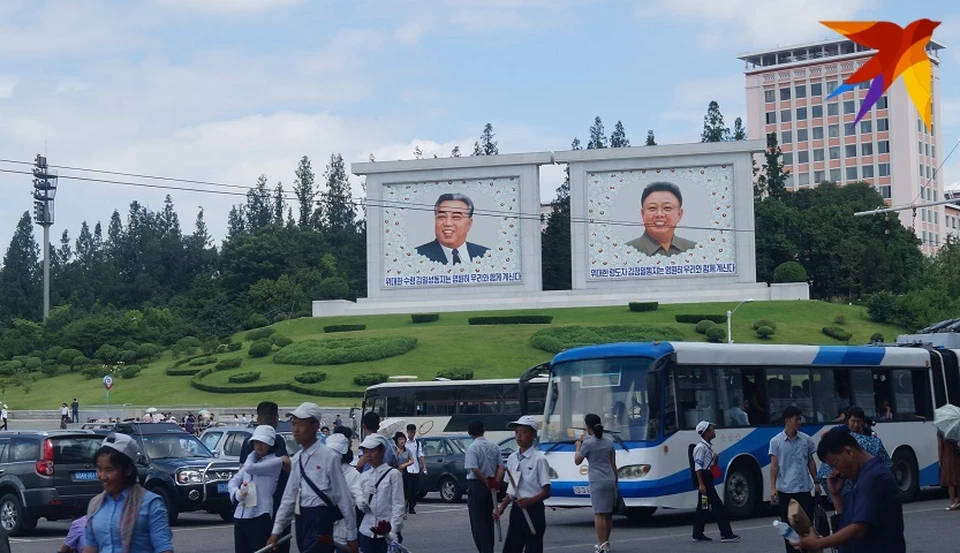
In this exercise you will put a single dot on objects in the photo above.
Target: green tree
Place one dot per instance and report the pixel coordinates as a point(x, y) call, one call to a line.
point(598, 138)
point(651, 139)
point(714, 129)
point(259, 206)
point(739, 133)
point(21, 292)
point(236, 222)
point(339, 212)
point(279, 204)
point(555, 241)
point(773, 177)
point(619, 137)
point(303, 189)
point(486, 146)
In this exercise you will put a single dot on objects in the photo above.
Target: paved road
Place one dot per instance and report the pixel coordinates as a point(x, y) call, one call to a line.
point(445, 528)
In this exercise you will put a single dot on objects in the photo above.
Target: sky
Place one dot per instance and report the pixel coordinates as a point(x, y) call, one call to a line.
point(226, 90)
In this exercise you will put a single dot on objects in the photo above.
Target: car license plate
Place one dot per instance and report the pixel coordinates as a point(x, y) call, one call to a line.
point(85, 475)
point(221, 487)
point(581, 490)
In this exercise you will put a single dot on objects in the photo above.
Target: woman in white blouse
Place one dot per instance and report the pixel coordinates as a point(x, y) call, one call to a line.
point(382, 501)
point(252, 489)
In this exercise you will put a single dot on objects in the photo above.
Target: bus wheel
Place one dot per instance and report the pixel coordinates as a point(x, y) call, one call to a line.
point(640, 515)
point(741, 492)
point(906, 473)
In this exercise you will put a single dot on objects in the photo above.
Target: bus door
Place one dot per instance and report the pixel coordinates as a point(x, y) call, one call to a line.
point(951, 372)
point(938, 381)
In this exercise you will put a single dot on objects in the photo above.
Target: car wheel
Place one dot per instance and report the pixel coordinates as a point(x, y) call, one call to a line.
point(172, 512)
point(450, 491)
point(11, 515)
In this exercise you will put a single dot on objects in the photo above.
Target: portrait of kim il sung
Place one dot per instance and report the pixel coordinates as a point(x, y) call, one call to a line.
point(453, 218)
point(661, 209)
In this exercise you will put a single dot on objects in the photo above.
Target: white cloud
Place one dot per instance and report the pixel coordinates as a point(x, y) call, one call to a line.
point(227, 6)
point(71, 86)
point(7, 86)
point(683, 116)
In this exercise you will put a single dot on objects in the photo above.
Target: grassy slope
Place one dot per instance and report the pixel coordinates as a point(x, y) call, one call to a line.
point(491, 351)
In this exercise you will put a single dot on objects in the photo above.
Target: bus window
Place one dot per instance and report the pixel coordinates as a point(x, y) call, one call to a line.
point(758, 409)
point(401, 406)
point(825, 395)
point(787, 387)
point(733, 403)
point(697, 395)
point(843, 384)
point(863, 395)
point(911, 395)
point(380, 406)
point(883, 396)
point(669, 405)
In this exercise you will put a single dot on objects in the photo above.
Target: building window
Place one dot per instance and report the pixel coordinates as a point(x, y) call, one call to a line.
point(831, 86)
point(921, 169)
point(849, 129)
point(851, 173)
point(771, 117)
point(834, 152)
point(802, 135)
point(803, 156)
point(920, 148)
point(868, 171)
point(833, 108)
point(816, 89)
point(882, 102)
point(849, 106)
point(923, 215)
point(866, 148)
point(919, 126)
point(883, 169)
point(936, 217)
point(787, 158)
point(817, 177)
point(769, 95)
point(933, 152)
point(818, 133)
point(850, 150)
point(883, 147)
point(800, 91)
point(801, 114)
point(833, 131)
point(786, 137)
point(885, 192)
point(866, 126)
point(784, 93)
point(785, 116)
point(835, 175)
point(804, 178)
point(926, 148)
point(818, 155)
point(929, 172)
point(883, 125)
point(816, 111)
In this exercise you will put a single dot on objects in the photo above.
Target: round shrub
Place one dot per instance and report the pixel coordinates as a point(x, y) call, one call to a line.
point(14, 366)
point(280, 340)
point(764, 322)
point(242, 378)
point(33, 363)
point(107, 354)
point(256, 321)
point(228, 364)
point(128, 356)
point(129, 345)
point(130, 371)
point(260, 349)
point(201, 361)
point(49, 368)
point(337, 351)
point(716, 334)
point(189, 342)
point(840, 319)
point(765, 332)
point(877, 338)
point(79, 362)
point(147, 351)
point(53, 353)
point(37, 353)
point(311, 377)
point(557, 339)
point(704, 325)
point(234, 346)
point(67, 356)
point(260, 333)
point(369, 379)
point(425, 317)
point(790, 271)
point(455, 374)
point(882, 306)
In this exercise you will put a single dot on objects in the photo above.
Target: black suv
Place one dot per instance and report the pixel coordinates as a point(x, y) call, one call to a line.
point(45, 474)
point(180, 469)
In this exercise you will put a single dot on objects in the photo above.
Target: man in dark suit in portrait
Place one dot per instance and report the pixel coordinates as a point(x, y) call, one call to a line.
point(661, 208)
point(453, 217)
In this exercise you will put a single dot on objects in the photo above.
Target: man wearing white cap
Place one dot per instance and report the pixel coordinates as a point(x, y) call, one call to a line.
point(528, 474)
point(707, 469)
point(252, 489)
point(316, 493)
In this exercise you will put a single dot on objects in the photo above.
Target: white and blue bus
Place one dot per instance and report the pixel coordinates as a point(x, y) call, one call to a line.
point(650, 397)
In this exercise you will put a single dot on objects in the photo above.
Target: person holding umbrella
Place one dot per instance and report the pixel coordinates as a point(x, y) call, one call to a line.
point(947, 421)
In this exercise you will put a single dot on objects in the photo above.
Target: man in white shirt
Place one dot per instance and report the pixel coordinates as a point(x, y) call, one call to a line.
point(316, 489)
point(4, 413)
point(415, 449)
point(528, 474)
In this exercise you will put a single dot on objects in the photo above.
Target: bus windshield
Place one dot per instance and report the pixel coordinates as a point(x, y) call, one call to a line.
point(620, 390)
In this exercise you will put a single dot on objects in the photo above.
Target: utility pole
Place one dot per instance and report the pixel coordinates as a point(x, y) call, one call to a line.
point(44, 191)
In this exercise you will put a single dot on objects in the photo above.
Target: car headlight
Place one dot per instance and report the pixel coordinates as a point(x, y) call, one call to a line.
point(553, 473)
point(185, 477)
point(633, 471)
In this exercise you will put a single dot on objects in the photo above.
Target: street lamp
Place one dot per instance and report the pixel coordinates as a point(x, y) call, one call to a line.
point(730, 316)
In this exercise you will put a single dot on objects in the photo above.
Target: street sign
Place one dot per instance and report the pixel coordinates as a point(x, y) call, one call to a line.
point(108, 382)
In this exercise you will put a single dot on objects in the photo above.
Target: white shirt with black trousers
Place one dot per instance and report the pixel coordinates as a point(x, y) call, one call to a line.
point(531, 472)
point(381, 499)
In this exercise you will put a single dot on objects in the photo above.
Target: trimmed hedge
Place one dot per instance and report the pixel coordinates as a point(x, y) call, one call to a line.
point(643, 306)
point(455, 374)
point(343, 328)
point(243, 378)
point(337, 351)
point(260, 349)
point(130, 371)
point(837, 333)
point(52, 353)
point(234, 346)
point(790, 271)
point(425, 317)
point(260, 333)
point(511, 320)
point(716, 334)
point(694, 318)
point(557, 339)
point(67, 356)
point(369, 379)
point(294, 387)
point(148, 350)
point(190, 371)
point(765, 332)
point(281, 341)
point(228, 364)
point(704, 325)
point(311, 377)
point(764, 322)
point(877, 337)
point(201, 361)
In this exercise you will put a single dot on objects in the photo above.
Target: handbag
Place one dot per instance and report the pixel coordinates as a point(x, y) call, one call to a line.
point(619, 505)
point(821, 523)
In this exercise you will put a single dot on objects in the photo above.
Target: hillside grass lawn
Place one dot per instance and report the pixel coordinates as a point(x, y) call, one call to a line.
point(491, 351)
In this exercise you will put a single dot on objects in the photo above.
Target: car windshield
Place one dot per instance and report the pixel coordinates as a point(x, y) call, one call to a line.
point(462, 443)
point(174, 446)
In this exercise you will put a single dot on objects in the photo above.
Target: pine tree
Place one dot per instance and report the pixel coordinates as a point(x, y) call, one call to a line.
point(486, 146)
point(339, 213)
point(739, 133)
point(455, 152)
point(279, 204)
point(64, 252)
point(303, 189)
point(236, 222)
point(21, 293)
point(773, 178)
point(85, 247)
point(114, 232)
point(259, 206)
point(555, 242)
point(201, 236)
point(713, 128)
point(651, 139)
point(597, 137)
point(619, 137)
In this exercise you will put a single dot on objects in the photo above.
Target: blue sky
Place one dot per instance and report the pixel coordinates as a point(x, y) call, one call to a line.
point(224, 90)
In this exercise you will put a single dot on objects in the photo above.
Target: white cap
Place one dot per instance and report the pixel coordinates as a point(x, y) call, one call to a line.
point(124, 444)
point(338, 443)
point(307, 410)
point(702, 426)
point(373, 441)
point(526, 420)
point(264, 433)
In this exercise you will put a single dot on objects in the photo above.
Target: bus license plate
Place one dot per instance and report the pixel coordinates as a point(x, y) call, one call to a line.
point(581, 490)
point(221, 487)
point(85, 475)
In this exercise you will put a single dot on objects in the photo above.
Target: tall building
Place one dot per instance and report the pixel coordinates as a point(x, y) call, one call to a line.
point(890, 148)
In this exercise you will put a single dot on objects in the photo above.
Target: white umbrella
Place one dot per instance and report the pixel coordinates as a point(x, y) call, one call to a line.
point(152, 410)
point(389, 427)
point(947, 420)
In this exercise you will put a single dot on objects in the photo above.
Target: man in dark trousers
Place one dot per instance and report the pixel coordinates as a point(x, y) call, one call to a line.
point(414, 471)
point(707, 468)
point(75, 407)
point(484, 465)
point(529, 476)
point(269, 413)
point(793, 473)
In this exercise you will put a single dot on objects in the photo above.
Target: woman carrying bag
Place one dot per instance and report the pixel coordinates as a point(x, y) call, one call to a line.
point(382, 501)
point(602, 475)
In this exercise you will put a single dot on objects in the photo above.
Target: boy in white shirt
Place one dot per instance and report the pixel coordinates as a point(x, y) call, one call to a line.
point(528, 475)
